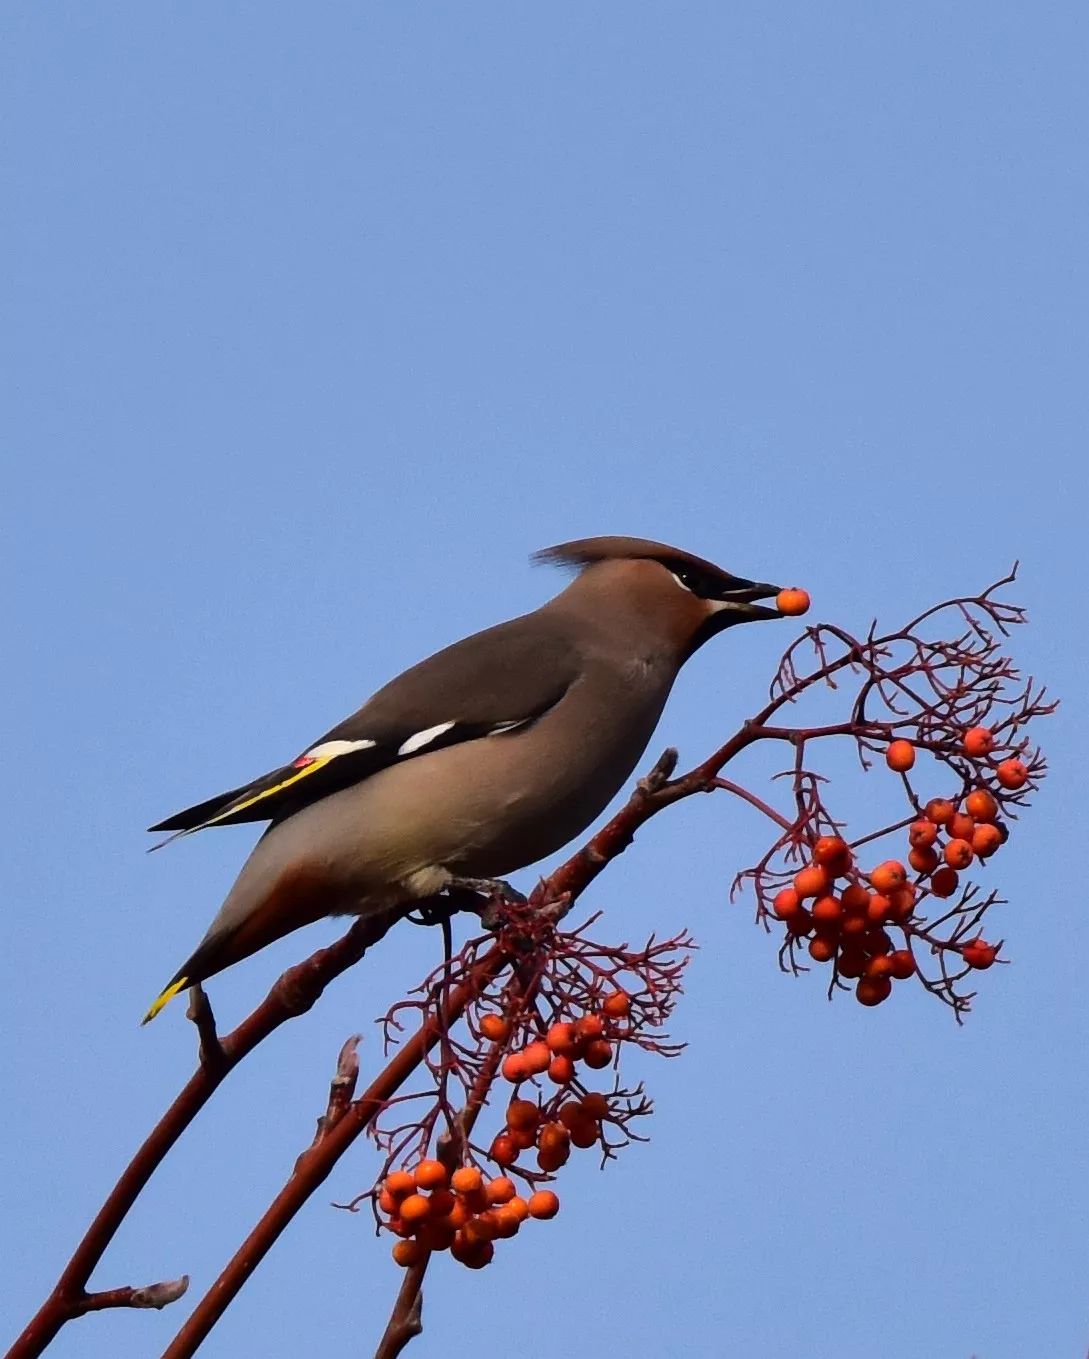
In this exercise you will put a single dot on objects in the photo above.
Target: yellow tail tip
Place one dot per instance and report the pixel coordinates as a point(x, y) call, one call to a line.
point(165, 999)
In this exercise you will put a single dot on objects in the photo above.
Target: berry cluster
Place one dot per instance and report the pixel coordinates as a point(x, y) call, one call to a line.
point(553, 1131)
point(431, 1209)
point(556, 1126)
point(848, 925)
point(566, 1044)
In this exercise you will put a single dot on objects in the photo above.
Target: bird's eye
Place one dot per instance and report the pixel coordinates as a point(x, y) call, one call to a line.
point(696, 582)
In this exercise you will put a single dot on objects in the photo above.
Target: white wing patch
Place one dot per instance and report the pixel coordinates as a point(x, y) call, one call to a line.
point(329, 750)
point(423, 738)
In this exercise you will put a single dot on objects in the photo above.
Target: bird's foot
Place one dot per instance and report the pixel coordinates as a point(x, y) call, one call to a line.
point(482, 896)
point(492, 888)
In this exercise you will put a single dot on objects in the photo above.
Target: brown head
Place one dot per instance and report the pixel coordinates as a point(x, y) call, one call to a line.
point(683, 598)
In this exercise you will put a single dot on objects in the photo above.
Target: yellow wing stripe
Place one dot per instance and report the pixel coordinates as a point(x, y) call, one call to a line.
point(236, 807)
point(165, 999)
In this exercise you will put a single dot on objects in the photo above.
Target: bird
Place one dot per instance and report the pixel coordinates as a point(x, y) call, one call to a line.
point(479, 761)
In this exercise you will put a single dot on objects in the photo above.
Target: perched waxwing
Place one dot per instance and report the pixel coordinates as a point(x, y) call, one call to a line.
point(481, 760)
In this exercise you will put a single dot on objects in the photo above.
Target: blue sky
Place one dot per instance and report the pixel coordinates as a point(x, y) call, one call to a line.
point(317, 322)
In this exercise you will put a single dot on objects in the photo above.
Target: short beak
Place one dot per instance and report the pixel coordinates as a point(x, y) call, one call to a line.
point(740, 601)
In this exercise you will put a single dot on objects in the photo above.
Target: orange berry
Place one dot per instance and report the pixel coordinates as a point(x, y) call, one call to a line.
point(617, 1006)
point(958, 854)
point(827, 912)
point(877, 941)
point(855, 923)
point(792, 603)
point(474, 1200)
point(462, 1211)
point(387, 1203)
point(408, 1253)
point(902, 902)
point(900, 756)
point(415, 1208)
point(500, 1190)
point(518, 1208)
point(960, 826)
point(598, 1054)
point(537, 1057)
point(514, 1067)
point(562, 1038)
point(543, 1204)
point(822, 950)
point(437, 1234)
point(550, 1159)
point(480, 1228)
point(503, 1151)
point(944, 882)
point(787, 903)
point(939, 810)
point(851, 963)
point(472, 1254)
point(922, 834)
point(584, 1134)
point(430, 1175)
point(879, 966)
point(561, 1070)
point(813, 881)
point(553, 1135)
point(979, 954)
point(986, 839)
point(590, 1026)
point(978, 741)
point(832, 852)
point(879, 909)
point(873, 990)
point(506, 1224)
point(522, 1113)
point(523, 1138)
point(888, 876)
point(855, 897)
point(901, 964)
point(801, 923)
point(494, 1027)
point(981, 804)
point(480, 1257)
point(571, 1113)
point(1012, 774)
point(595, 1104)
point(399, 1183)
point(924, 859)
point(441, 1201)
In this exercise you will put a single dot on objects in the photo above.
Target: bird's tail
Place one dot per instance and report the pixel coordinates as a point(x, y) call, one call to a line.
point(200, 964)
point(165, 997)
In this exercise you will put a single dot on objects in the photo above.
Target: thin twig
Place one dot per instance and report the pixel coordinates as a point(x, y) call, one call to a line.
point(156, 1295)
point(210, 1050)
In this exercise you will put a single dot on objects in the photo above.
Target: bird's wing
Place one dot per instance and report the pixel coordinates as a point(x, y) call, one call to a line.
point(489, 684)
